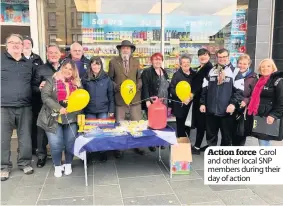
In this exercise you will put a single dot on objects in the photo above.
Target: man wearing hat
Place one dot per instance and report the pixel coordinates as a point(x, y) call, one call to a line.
point(121, 68)
point(27, 51)
point(36, 61)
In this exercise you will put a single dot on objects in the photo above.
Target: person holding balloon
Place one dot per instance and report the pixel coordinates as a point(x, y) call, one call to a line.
point(124, 71)
point(100, 88)
point(155, 83)
point(57, 118)
point(181, 95)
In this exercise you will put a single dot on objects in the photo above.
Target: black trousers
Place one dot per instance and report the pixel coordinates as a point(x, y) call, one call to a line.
point(239, 140)
point(21, 120)
point(227, 126)
point(201, 127)
point(182, 129)
point(39, 138)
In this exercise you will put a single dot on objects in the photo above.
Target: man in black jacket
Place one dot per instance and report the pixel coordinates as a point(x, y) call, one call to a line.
point(36, 61)
point(16, 111)
point(220, 96)
point(78, 57)
point(198, 121)
point(27, 51)
point(42, 73)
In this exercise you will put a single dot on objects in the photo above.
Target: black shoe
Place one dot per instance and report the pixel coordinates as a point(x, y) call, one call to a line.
point(139, 151)
point(41, 162)
point(34, 151)
point(152, 149)
point(195, 150)
point(118, 154)
point(202, 149)
point(103, 157)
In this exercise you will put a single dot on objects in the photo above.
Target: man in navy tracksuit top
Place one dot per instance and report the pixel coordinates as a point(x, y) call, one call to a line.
point(220, 96)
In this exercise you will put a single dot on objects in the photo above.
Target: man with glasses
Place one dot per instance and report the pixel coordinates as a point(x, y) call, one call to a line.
point(219, 98)
point(16, 110)
point(78, 57)
point(42, 73)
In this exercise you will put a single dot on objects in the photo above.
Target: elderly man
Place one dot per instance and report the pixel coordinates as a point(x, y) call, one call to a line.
point(42, 73)
point(36, 61)
point(16, 110)
point(78, 57)
point(122, 68)
point(27, 51)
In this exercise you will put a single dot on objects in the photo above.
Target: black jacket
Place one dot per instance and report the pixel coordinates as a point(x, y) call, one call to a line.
point(101, 93)
point(42, 73)
point(35, 59)
point(83, 67)
point(16, 77)
point(201, 73)
point(180, 110)
point(151, 83)
point(271, 102)
point(216, 97)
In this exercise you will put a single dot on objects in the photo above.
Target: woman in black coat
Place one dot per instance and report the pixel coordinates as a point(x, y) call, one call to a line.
point(180, 110)
point(155, 83)
point(198, 118)
point(267, 99)
point(248, 78)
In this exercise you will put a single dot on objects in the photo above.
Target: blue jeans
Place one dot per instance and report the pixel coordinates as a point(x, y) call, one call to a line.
point(102, 115)
point(264, 142)
point(62, 139)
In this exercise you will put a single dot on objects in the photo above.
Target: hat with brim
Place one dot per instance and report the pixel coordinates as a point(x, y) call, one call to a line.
point(126, 43)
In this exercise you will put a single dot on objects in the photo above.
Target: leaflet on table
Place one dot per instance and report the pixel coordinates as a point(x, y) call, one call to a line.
point(15, 11)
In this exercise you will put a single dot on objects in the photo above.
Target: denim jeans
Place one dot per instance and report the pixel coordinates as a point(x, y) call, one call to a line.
point(63, 139)
point(102, 115)
point(264, 142)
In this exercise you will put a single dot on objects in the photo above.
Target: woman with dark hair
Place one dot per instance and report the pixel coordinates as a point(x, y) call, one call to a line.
point(155, 82)
point(59, 125)
point(100, 88)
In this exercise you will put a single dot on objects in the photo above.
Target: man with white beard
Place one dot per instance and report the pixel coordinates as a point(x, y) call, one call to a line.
point(121, 68)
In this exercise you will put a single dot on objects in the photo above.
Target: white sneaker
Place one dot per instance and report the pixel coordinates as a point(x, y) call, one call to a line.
point(68, 169)
point(58, 171)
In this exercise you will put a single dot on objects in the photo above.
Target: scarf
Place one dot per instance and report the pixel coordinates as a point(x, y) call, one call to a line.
point(255, 98)
point(63, 92)
point(243, 75)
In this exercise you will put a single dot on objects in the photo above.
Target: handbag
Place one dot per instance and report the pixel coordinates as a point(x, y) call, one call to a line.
point(260, 126)
point(240, 125)
point(188, 121)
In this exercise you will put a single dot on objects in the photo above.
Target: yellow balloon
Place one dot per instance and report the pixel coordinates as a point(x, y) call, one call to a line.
point(78, 100)
point(128, 91)
point(183, 90)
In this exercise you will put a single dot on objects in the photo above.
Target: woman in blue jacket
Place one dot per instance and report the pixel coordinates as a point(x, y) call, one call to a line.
point(100, 88)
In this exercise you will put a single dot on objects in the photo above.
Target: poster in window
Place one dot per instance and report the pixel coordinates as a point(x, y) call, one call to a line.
point(15, 11)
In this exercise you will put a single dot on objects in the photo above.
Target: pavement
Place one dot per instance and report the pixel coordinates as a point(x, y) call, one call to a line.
point(133, 180)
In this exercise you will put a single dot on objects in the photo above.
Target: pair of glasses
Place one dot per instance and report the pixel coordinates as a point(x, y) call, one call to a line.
point(15, 43)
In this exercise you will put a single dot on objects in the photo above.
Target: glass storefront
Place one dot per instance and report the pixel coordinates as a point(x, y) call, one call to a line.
point(15, 18)
point(172, 27)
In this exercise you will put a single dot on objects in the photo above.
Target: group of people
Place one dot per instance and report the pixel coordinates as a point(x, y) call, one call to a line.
point(34, 98)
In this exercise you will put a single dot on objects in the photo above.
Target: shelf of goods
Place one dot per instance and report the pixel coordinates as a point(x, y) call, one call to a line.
point(145, 48)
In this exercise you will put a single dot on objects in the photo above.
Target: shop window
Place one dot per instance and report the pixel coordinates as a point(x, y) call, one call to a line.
point(51, 1)
point(74, 37)
point(79, 38)
point(52, 38)
point(79, 19)
point(52, 19)
point(73, 19)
